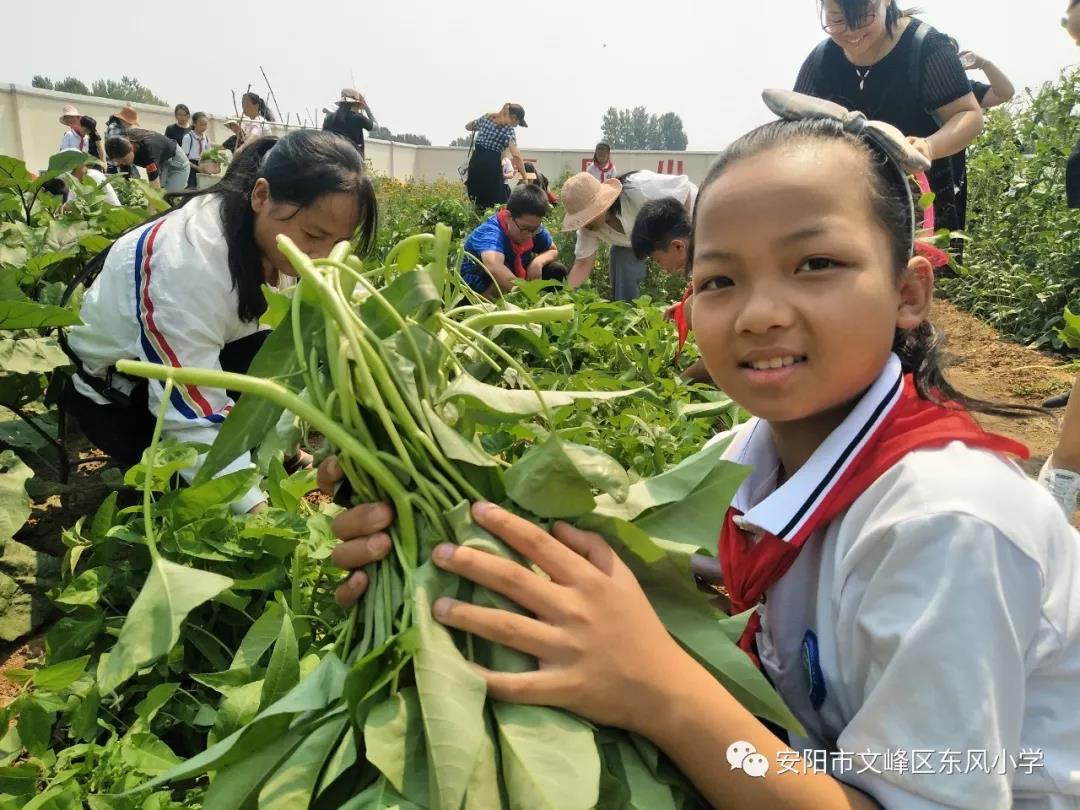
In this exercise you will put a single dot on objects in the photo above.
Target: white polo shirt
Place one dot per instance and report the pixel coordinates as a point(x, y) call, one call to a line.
point(638, 189)
point(946, 608)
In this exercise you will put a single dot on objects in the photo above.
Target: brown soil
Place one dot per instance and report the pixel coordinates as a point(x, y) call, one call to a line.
point(17, 655)
point(981, 364)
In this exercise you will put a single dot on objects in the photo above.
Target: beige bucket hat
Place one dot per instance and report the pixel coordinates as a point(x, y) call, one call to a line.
point(585, 198)
point(69, 111)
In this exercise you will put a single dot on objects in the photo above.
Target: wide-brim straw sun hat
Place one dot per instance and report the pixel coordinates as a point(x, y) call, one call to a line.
point(585, 198)
point(69, 111)
point(129, 115)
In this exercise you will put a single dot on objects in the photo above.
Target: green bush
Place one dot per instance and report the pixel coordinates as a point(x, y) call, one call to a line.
point(1023, 257)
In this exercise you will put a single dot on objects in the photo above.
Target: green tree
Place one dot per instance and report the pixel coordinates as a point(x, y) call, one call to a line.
point(68, 85)
point(126, 89)
point(464, 140)
point(638, 129)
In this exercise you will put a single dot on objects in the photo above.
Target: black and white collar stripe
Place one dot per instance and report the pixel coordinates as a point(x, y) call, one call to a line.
point(784, 512)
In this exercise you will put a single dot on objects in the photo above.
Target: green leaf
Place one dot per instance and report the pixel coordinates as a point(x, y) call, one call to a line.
point(283, 672)
point(380, 796)
point(646, 791)
point(313, 694)
point(155, 700)
point(258, 638)
point(146, 754)
point(277, 307)
point(394, 741)
point(237, 786)
point(294, 781)
point(26, 576)
point(72, 635)
point(31, 315)
point(451, 694)
point(671, 486)
point(453, 444)
point(555, 479)
point(83, 723)
point(13, 173)
point(152, 626)
point(508, 404)
point(30, 355)
point(550, 759)
point(484, 791)
point(35, 726)
point(58, 677)
point(20, 780)
point(413, 295)
point(14, 502)
point(191, 503)
point(62, 163)
point(87, 587)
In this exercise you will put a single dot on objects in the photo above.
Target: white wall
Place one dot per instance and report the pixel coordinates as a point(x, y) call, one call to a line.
point(30, 130)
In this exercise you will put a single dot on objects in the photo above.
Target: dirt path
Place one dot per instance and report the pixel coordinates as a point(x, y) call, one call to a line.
point(983, 365)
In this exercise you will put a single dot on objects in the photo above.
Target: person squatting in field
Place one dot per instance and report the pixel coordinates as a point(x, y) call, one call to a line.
point(911, 587)
point(195, 276)
point(512, 244)
point(606, 212)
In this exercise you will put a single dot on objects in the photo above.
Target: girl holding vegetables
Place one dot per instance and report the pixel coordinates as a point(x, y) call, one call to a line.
point(912, 590)
point(185, 289)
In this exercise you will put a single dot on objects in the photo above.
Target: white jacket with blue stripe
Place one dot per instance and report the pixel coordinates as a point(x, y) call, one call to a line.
point(165, 296)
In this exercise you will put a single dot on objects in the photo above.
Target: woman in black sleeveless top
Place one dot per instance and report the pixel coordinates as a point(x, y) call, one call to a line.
point(877, 61)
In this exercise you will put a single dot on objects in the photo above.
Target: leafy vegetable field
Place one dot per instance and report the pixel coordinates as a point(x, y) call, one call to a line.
point(195, 658)
point(1023, 257)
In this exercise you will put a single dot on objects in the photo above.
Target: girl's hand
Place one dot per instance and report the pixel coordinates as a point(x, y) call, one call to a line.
point(362, 534)
point(603, 652)
point(535, 270)
point(923, 147)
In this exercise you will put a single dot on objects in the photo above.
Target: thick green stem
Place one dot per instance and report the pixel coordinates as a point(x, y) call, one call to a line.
point(149, 460)
point(281, 396)
point(521, 317)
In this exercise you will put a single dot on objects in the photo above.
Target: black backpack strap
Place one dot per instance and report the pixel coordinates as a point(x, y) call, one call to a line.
point(915, 69)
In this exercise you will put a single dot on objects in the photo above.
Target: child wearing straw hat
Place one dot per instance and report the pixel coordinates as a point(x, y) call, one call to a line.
point(74, 137)
point(606, 212)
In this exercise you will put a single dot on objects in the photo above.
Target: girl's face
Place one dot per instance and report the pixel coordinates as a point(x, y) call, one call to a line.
point(796, 296)
point(602, 156)
point(182, 118)
point(870, 34)
point(250, 108)
point(315, 228)
point(200, 125)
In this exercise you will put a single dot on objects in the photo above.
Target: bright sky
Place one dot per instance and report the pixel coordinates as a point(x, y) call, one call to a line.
point(428, 67)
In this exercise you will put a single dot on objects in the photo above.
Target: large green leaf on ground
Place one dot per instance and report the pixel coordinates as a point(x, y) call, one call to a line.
point(14, 502)
point(26, 576)
point(152, 626)
point(30, 355)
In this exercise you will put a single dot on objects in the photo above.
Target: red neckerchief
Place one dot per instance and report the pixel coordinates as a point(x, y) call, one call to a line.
point(518, 250)
point(677, 313)
point(604, 170)
point(750, 568)
point(80, 136)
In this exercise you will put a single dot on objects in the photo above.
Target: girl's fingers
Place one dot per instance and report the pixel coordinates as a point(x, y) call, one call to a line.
point(589, 545)
point(349, 592)
point(362, 521)
point(554, 558)
point(361, 551)
point(538, 688)
point(516, 582)
point(328, 474)
point(512, 630)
